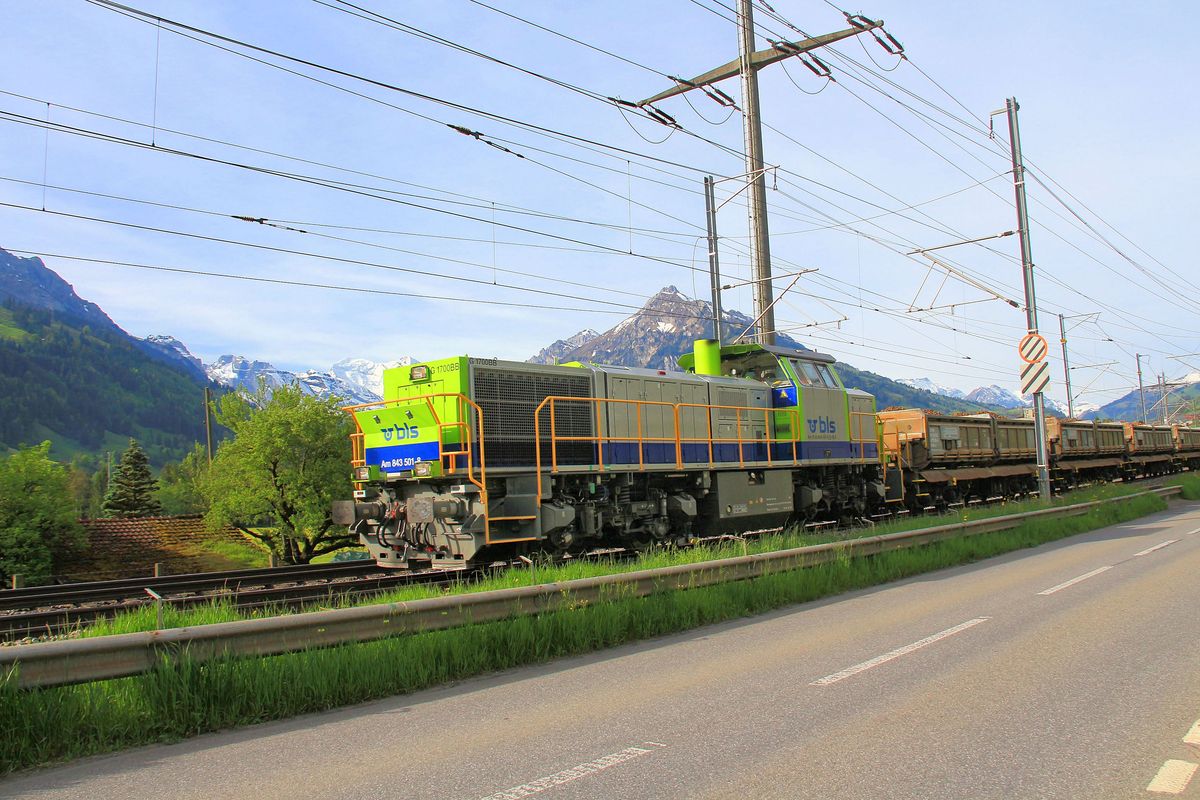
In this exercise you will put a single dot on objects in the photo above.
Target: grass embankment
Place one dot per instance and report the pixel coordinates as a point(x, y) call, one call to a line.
point(144, 619)
point(181, 698)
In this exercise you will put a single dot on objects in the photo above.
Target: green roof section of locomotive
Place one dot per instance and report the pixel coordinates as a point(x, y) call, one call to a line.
point(687, 361)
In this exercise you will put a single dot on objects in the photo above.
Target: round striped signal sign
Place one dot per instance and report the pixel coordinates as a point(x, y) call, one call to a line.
point(1032, 348)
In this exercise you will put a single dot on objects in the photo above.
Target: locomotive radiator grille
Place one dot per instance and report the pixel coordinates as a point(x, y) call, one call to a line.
point(510, 397)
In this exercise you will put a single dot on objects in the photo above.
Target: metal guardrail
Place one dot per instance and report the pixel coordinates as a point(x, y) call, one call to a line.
point(79, 660)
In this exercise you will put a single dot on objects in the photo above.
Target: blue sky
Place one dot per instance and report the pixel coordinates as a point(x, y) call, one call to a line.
point(1107, 110)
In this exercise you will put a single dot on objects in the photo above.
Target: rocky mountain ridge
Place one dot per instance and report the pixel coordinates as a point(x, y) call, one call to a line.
point(665, 327)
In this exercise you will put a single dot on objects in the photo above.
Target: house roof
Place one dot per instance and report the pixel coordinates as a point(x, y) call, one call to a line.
point(130, 547)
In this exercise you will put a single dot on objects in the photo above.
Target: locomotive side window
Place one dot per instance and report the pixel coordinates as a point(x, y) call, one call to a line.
point(801, 375)
point(809, 374)
point(830, 381)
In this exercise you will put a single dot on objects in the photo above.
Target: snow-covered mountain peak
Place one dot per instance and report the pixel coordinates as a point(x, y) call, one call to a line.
point(929, 386)
point(354, 380)
point(365, 374)
point(996, 395)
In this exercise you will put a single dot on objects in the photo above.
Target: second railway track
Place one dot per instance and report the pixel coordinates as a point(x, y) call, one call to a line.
point(46, 611)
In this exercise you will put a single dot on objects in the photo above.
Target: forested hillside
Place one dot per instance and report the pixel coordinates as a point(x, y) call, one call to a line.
point(90, 388)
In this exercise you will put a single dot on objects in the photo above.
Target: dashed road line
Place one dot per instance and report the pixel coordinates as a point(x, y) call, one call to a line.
point(894, 654)
point(1173, 777)
point(574, 773)
point(1193, 736)
point(1073, 581)
point(1158, 546)
point(1192, 533)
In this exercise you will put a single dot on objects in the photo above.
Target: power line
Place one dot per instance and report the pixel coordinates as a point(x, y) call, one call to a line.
point(342, 186)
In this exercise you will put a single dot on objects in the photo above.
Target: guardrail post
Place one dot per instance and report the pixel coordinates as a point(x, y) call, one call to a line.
point(158, 606)
point(532, 569)
point(18, 581)
point(158, 569)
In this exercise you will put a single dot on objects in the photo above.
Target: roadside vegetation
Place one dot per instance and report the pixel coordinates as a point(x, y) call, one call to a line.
point(182, 698)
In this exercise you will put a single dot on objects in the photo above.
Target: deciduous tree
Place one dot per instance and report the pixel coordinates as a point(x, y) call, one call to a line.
point(277, 478)
point(179, 483)
point(38, 531)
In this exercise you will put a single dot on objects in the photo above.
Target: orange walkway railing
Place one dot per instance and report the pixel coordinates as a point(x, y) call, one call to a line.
point(475, 470)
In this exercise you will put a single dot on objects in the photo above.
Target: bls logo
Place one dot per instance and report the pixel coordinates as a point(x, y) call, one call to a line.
point(822, 425)
point(400, 432)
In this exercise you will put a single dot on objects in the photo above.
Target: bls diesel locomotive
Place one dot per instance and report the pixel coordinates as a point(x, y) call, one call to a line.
point(471, 460)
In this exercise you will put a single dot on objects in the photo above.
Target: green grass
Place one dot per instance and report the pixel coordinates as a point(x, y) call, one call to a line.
point(9, 329)
point(181, 698)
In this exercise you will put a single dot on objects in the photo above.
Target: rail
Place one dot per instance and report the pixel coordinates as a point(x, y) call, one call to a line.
point(125, 588)
point(104, 657)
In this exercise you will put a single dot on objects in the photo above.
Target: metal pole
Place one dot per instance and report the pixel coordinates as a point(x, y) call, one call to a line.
point(1039, 401)
point(208, 423)
point(714, 266)
point(1162, 395)
point(760, 245)
point(1141, 388)
point(1062, 331)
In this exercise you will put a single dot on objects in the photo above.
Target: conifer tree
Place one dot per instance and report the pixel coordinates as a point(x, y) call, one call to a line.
point(131, 492)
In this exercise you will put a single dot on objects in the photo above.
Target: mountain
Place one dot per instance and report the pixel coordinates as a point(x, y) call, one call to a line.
point(366, 375)
point(558, 351)
point(176, 352)
point(669, 322)
point(929, 386)
point(69, 374)
point(996, 396)
point(1129, 407)
point(239, 372)
point(28, 283)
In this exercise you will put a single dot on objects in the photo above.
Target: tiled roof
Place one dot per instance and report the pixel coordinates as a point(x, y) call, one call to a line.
point(127, 548)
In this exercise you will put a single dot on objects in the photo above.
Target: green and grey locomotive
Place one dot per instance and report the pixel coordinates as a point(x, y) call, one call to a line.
point(471, 460)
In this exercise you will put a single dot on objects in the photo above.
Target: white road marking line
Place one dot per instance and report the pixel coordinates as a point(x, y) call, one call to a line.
point(1173, 777)
point(1192, 533)
point(573, 774)
point(1159, 546)
point(1073, 581)
point(1193, 736)
point(900, 651)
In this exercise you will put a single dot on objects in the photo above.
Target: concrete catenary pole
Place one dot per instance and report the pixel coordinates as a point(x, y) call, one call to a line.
point(208, 423)
point(714, 266)
point(747, 65)
point(1039, 400)
point(1062, 337)
point(760, 241)
point(1141, 387)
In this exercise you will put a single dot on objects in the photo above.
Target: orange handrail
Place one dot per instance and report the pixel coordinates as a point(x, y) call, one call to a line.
point(466, 443)
point(741, 440)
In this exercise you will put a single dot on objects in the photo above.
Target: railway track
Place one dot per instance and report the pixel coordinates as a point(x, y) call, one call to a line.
point(48, 611)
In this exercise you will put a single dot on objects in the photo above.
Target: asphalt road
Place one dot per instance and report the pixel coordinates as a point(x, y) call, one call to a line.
point(1067, 671)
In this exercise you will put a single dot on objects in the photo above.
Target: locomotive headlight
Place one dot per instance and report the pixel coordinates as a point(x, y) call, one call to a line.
point(422, 469)
point(362, 474)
